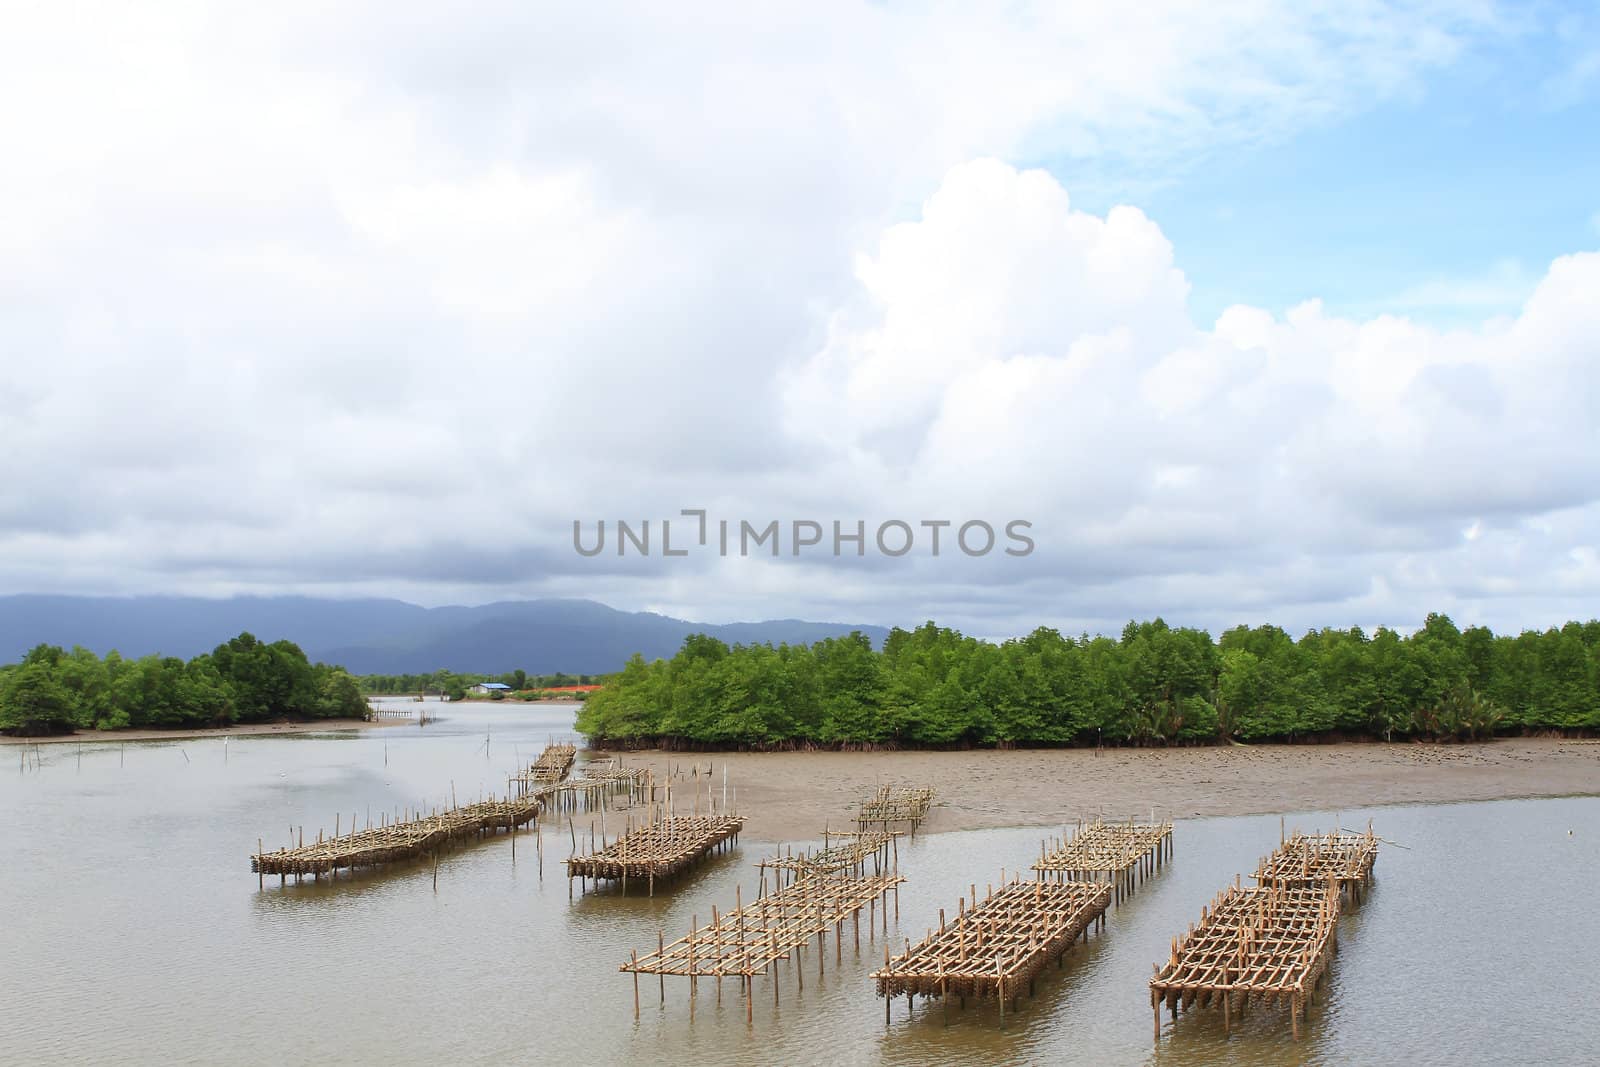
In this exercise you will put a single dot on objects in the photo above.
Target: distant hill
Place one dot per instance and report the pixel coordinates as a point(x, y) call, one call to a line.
point(384, 636)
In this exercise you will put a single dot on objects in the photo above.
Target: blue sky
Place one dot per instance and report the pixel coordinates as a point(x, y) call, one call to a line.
point(1446, 201)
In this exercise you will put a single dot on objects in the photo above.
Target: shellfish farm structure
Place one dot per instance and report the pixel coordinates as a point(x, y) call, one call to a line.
point(656, 850)
point(600, 781)
point(754, 938)
point(1307, 860)
point(1264, 944)
point(1121, 854)
point(997, 946)
point(851, 855)
point(394, 842)
point(553, 763)
point(893, 805)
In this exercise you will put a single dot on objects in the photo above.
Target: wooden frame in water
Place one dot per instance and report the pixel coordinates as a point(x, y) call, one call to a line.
point(996, 945)
point(1261, 944)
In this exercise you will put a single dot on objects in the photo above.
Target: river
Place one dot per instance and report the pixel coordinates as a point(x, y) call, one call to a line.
point(131, 929)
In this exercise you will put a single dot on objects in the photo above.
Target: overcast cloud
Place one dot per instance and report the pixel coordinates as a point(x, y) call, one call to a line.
point(379, 302)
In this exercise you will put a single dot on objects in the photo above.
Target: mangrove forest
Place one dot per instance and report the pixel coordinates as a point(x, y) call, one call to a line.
point(1155, 684)
point(242, 680)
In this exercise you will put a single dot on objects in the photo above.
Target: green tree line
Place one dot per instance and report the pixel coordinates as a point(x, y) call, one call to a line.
point(1155, 684)
point(242, 680)
point(455, 685)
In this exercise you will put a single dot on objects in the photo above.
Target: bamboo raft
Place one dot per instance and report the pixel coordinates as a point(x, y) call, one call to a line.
point(998, 945)
point(394, 842)
point(1122, 854)
point(1309, 860)
point(1267, 944)
point(891, 805)
point(851, 855)
point(659, 849)
point(754, 938)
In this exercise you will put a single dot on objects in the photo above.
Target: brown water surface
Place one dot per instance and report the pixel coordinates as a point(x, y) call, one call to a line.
point(133, 931)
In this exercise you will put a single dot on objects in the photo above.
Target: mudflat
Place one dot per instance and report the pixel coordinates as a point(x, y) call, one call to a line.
point(791, 796)
point(251, 729)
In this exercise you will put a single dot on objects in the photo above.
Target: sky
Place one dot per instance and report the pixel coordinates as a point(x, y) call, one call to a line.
point(1251, 312)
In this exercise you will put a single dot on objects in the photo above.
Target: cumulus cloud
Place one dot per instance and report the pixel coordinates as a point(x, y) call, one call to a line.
point(374, 300)
point(1261, 460)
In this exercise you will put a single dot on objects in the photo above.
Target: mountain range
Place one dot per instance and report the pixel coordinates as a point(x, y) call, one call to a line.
point(376, 636)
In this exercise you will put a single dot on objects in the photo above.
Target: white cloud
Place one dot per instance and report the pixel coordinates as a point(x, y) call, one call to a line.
point(368, 299)
point(1272, 445)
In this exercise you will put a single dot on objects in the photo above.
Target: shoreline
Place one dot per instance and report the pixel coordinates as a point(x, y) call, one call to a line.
point(249, 729)
point(792, 796)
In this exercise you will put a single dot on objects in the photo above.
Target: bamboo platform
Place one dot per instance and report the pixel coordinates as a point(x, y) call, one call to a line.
point(1262, 944)
point(553, 763)
point(1309, 860)
point(892, 805)
point(754, 938)
point(657, 850)
point(612, 770)
point(586, 794)
point(996, 946)
point(1123, 854)
point(394, 842)
point(852, 854)
point(599, 781)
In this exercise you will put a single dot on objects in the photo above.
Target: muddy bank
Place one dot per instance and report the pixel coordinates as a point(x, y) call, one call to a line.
point(240, 730)
point(789, 796)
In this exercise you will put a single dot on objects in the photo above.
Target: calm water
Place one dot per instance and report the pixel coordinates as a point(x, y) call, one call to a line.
point(131, 930)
